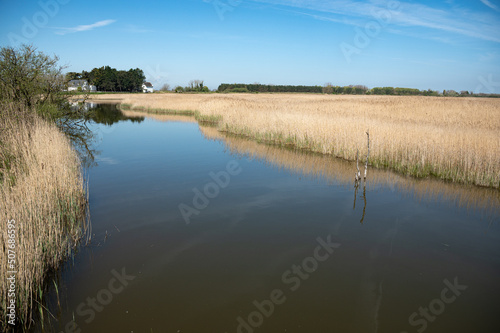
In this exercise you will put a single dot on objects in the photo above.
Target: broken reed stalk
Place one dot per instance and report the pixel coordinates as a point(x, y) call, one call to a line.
point(357, 176)
point(367, 154)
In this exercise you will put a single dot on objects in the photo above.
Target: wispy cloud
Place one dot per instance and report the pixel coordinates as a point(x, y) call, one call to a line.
point(450, 20)
point(489, 4)
point(64, 31)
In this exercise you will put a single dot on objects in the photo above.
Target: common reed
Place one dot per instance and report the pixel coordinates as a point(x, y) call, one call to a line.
point(453, 139)
point(42, 189)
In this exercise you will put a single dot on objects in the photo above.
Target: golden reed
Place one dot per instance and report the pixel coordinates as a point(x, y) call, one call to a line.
point(453, 139)
point(42, 190)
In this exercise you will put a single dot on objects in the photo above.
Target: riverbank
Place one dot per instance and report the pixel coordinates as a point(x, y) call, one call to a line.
point(43, 207)
point(448, 138)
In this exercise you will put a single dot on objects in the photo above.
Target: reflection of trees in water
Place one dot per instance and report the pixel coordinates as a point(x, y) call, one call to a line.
point(109, 114)
point(82, 137)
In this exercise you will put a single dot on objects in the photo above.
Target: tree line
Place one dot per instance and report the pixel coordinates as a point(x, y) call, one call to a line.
point(328, 88)
point(193, 86)
point(256, 87)
point(110, 79)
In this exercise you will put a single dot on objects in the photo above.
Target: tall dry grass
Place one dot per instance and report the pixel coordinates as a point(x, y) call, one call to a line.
point(42, 189)
point(453, 139)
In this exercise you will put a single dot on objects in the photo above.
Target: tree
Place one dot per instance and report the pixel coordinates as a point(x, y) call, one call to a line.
point(165, 87)
point(451, 93)
point(195, 85)
point(73, 76)
point(34, 81)
point(328, 88)
point(30, 77)
point(138, 78)
point(109, 79)
point(360, 89)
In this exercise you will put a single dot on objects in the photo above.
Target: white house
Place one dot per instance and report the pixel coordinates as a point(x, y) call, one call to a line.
point(83, 84)
point(147, 87)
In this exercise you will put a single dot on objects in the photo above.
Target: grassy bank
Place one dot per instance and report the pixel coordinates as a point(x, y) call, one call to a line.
point(42, 190)
point(211, 119)
point(448, 138)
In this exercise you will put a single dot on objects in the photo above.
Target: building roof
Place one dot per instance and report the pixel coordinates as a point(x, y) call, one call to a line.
point(148, 84)
point(77, 83)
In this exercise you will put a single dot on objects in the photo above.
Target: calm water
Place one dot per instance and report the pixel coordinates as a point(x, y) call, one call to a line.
point(197, 232)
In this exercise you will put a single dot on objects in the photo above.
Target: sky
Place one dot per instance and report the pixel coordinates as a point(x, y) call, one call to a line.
point(435, 45)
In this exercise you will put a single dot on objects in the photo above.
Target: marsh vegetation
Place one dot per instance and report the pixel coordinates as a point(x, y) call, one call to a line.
point(41, 182)
point(452, 139)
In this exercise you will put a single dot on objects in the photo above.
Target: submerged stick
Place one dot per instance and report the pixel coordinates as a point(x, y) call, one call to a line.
point(357, 176)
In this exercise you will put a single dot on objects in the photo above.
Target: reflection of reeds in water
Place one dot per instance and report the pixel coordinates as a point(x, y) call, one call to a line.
point(331, 169)
point(159, 116)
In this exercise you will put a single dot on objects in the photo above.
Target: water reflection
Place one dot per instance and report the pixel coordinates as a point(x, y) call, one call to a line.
point(158, 117)
point(356, 186)
point(109, 114)
point(85, 139)
point(334, 170)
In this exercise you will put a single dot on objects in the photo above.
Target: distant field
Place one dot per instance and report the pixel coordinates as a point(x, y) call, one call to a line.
point(455, 139)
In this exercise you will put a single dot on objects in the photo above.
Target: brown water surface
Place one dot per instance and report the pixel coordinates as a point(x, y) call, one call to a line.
point(195, 231)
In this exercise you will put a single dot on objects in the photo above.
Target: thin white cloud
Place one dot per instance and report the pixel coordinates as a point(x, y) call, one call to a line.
point(489, 4)
point(64, 31)
point(404, 14)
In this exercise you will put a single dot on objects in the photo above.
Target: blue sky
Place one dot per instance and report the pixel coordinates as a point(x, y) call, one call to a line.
point(419, 44)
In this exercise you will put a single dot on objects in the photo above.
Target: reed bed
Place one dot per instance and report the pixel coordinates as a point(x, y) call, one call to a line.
point(163, 117)
point(453, 139)
point(42, 189)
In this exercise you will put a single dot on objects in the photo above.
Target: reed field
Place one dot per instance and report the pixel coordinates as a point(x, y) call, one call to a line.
point(42, 190)
point(454, 139)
